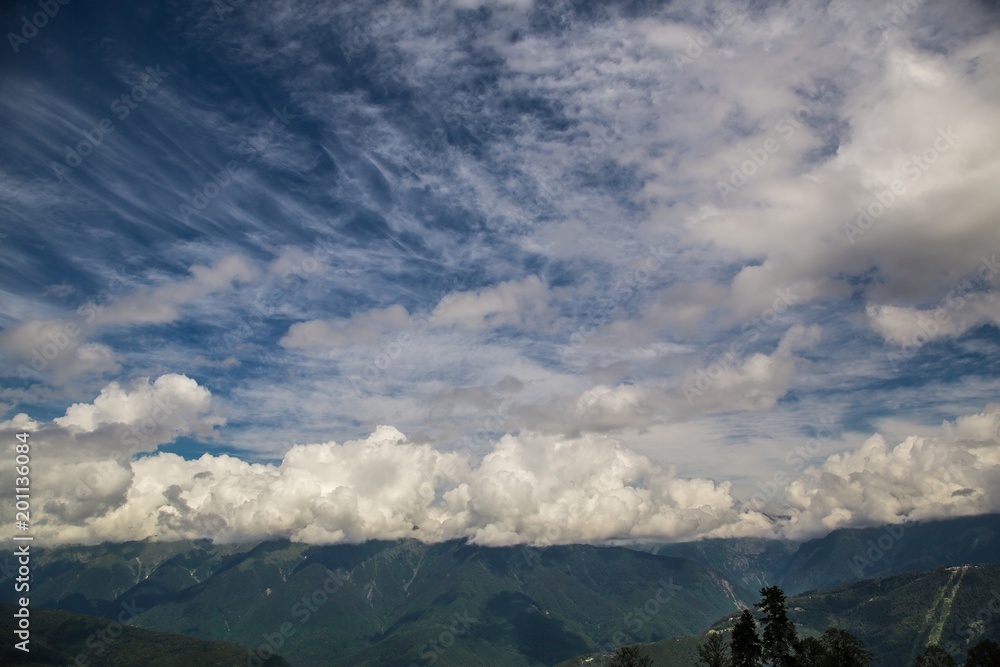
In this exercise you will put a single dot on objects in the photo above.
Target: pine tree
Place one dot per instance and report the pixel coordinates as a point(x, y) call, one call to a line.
point(844, 649)
point(934, 656)
point(744, 645)
point(629, 656)
point(984, 654)
point(811, 652)
point(713, 652)
point(778, 637)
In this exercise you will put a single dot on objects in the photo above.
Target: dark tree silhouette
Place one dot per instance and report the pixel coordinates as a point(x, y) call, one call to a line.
point(844, 649)
point(744, 645)
point(713, 653)
point(836, 648)
point(935, 656)
point(778, 637)
point(630, 656)
point(984, 654)
point(811, 652)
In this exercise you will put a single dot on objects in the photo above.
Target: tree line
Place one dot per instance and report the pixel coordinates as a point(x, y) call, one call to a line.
point(778, 645)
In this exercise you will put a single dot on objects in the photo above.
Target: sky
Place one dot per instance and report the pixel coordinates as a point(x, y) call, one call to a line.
point(513, 272)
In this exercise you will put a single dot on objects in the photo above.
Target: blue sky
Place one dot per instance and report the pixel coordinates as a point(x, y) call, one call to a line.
point(688, 236)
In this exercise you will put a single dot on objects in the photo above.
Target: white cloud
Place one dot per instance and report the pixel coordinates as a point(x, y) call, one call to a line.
point(599, 409)
point(58, 349)
point(752, 383)
point(365, 328)
point(545, 490)
point(161, 304)
point(954, 473)
point(19, 422)
point(521, 303)
point(161, 410)
point(907, 326)
point(528, 488)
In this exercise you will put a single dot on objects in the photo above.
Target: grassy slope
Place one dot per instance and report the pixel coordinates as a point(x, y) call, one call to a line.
point(58, 638)
point(532, 607)
point(895, 617)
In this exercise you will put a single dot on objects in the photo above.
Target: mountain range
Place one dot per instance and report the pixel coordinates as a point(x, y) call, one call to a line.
point(59, 638)
point(408, 603)
point(846, 555)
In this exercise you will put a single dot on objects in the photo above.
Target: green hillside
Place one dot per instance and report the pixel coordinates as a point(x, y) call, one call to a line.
point(748, 561)
point(393, 603)
point(408, 603)
point(60, 638)
point(895, 617)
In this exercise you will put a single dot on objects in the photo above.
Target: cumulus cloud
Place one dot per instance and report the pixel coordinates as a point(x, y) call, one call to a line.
point(361, 328)
point(543, 490)
point(82, 462)
point(954, 473)
point(799, 215)
point(159, 411)
point(527, 490)
point(908, 326)
point(161, 304)
point(599, 409)
point(59, 350)
point(755, 382)
point(522, 303)
point(531, 488)
point(519, 303)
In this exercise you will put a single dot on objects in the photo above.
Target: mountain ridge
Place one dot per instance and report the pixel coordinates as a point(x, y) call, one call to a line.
point(399, 602)
point(393, 603)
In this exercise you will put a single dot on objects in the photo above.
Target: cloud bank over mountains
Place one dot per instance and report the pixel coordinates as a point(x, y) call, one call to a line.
point(530, 488)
